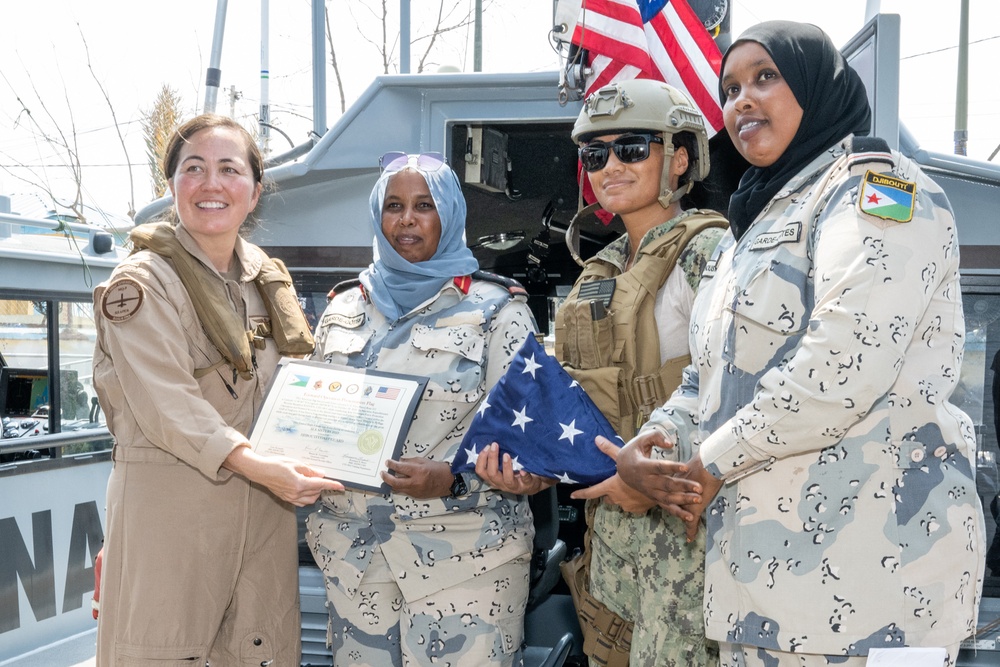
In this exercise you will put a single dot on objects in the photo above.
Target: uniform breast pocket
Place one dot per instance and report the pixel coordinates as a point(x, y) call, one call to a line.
point(770, 314)
point(345, 342)
point(452, 358)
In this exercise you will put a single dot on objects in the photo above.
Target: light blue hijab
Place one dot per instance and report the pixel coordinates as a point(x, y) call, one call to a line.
point(397, 286)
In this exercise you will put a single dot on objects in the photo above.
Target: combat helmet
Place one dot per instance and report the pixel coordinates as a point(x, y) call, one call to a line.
point(652, 106)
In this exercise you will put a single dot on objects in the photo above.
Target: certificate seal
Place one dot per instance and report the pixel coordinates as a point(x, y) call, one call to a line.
point(370, 442)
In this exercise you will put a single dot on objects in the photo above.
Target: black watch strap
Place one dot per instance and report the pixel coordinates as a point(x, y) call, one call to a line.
point(458, 486)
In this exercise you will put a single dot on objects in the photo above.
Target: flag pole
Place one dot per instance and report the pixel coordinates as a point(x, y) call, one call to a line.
point(962, 88)
point(213, 76)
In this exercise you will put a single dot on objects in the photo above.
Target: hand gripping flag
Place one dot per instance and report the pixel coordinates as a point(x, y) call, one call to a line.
point(540, 416)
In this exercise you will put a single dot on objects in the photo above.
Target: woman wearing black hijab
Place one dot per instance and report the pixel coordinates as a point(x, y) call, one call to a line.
point(827, 338)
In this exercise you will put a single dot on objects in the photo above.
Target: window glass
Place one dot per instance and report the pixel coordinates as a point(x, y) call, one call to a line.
point(23, 333)
point(78, 400)
point(977, 395)
point(24, 381)
point(26, 384)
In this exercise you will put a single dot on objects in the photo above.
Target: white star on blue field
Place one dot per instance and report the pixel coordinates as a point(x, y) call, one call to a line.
point(543, 420)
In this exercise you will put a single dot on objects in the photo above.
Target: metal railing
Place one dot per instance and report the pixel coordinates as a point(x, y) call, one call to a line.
point(54, 440)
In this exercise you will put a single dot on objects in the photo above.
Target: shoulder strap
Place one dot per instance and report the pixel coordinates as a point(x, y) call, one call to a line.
point(673, 242)
point(207, 293)
point(866, 150)
point(343, 286)
point(288, 325)
point(514, 287)
point(671, 245)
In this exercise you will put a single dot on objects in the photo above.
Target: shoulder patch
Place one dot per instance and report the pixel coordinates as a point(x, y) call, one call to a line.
point(511, 285)
point(122, 300)
point(887, 197)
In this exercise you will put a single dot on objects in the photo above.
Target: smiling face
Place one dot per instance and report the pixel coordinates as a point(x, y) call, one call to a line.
point(631, 190)
point(213, 185)
point(760, 110)
point(410, 220)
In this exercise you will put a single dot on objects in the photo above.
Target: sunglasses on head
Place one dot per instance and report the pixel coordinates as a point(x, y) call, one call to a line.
point(396, 161)
point(628, 148)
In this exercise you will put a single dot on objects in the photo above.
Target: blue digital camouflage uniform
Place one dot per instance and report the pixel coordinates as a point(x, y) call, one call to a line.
point(642, 567)
point(826, 344)
point(433, 579)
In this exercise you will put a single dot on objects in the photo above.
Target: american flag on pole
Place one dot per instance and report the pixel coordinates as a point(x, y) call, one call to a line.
point(652, 39)
point(540, 416)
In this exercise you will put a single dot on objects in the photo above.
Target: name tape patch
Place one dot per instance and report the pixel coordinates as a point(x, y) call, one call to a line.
point(790, 234)
point(339, 319)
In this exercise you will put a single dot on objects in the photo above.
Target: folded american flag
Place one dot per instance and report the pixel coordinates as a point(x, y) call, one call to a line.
point(540, 416)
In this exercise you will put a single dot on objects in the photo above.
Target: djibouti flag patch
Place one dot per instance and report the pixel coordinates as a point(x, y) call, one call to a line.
point(887, 197)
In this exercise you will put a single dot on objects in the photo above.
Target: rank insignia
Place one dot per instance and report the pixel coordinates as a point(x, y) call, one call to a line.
point(887, 197)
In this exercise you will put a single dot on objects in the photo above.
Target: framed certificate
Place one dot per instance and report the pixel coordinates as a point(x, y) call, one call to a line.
point(342, 421)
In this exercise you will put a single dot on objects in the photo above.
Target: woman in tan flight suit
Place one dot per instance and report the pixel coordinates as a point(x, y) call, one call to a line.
point(200, 559)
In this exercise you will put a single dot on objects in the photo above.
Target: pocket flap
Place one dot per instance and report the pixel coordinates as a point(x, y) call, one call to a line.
point(463, 339)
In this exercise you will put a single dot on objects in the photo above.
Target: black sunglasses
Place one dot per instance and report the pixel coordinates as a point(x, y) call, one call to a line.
point(628, 148)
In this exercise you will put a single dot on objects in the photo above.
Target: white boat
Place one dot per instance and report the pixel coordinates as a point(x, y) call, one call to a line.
point(51, 484)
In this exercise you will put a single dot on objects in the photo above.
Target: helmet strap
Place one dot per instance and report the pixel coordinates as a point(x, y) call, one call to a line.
point(668, 196)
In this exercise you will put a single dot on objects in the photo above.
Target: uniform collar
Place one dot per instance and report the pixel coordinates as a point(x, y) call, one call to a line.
point(248, 255)
point(617, 252)
point(457, 287)
point(817, 166)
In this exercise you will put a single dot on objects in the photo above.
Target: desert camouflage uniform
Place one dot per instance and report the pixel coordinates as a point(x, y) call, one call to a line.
point(445, 577)
point(827, 344)
point(642, 568)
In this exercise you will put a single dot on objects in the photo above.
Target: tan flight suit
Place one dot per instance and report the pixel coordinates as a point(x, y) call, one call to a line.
point(199, 564)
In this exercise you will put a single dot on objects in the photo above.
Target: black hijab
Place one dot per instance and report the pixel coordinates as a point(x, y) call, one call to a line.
point(833, 101)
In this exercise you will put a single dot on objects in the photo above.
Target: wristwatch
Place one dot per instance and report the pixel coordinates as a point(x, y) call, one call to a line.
point(458, 487)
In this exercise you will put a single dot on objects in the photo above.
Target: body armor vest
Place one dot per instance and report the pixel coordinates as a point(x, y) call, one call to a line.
point(607, 338)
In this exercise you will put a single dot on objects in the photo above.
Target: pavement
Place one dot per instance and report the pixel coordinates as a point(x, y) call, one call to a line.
point(76, 651)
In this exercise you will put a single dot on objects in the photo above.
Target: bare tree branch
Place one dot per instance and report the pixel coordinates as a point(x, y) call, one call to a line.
point(385, 51)
point(114, 118)
point(64, 149)
point(442, 26)
point(333, 62)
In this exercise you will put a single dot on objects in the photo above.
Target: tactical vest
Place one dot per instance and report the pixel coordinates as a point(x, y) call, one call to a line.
point(288, 326)
point(607, 338)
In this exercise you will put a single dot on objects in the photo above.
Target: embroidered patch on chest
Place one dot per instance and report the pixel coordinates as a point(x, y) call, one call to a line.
point(790, 234)
point(346, 321)
point(887, 197)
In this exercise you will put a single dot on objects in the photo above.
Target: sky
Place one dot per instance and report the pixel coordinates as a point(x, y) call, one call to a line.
point(55, 53)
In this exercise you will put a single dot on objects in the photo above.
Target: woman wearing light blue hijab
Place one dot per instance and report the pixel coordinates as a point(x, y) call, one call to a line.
point(437, 570)
point(396, 284)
